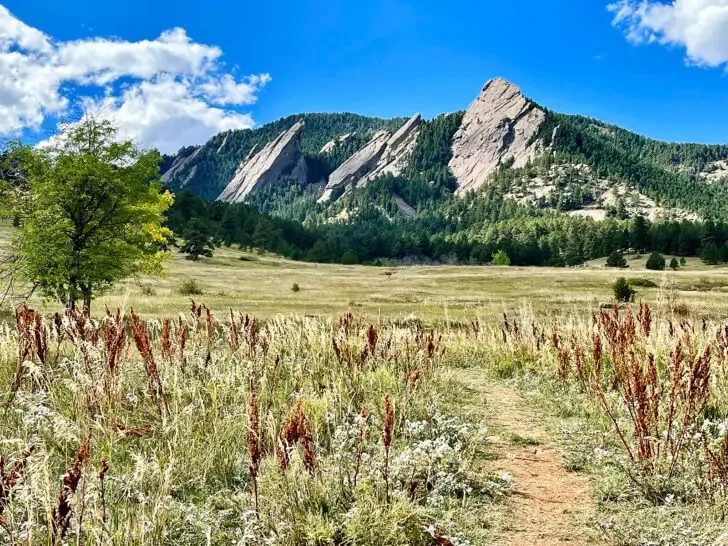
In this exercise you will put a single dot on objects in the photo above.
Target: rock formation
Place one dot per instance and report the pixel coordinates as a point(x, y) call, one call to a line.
point(278, 162)
point(497, 127)
point(385, 153)
point(179, 165)
point(331, 144)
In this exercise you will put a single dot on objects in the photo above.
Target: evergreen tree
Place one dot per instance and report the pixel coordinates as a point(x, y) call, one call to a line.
point(710, 254)
point(673, 264)
point(639, 234)
point(656, 262)
point(616, 259)
point(197, 245)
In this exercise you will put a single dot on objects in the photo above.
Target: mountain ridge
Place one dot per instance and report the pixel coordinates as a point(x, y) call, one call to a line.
point(502, 128)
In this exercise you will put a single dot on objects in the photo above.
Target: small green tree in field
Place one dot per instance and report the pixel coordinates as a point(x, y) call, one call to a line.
point(616, 259)
point(91, 212)
point(197, 245)
point(683, 262)
point(656, 262)
point(501, 258)
point(673, 264)
point(623, 291)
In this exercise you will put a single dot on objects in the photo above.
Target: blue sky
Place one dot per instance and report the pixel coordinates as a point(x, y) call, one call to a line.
point(639, 66)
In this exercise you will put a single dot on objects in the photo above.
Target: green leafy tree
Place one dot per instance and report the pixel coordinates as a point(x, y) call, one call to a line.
point(616, 259)
point(91, 213)
point(623, 291)
point(501, 258)
point(673, 264)
point(197, 245)
point(656, 262)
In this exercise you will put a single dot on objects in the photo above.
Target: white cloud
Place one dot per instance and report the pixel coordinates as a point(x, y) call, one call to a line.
point(167, 92)
point(700, 26)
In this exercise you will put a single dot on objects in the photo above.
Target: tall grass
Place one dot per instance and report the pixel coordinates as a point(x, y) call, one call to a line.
point(199, 431)
point(650, 391)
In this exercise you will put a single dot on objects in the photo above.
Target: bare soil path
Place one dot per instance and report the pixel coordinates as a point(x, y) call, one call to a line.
point(549, 506)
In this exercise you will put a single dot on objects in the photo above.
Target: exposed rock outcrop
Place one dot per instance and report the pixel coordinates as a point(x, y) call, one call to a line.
point(331, 144)
point(385, 153)
point(497, 127)
point(278, 162)
point(179, 165)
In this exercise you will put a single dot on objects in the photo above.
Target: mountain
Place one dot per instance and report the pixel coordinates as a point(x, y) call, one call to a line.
point(591, 168)
point(505, 174)
point(207, 170)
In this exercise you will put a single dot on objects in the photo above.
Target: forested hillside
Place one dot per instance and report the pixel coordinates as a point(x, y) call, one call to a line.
point(672, 174)
point(215, 162)
point(587, 190)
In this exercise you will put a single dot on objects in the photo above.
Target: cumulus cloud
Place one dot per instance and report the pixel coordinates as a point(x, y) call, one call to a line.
point(700, 26)
point(166, 92)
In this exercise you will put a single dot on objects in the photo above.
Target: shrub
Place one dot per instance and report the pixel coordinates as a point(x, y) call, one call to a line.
point(349, 258)
point(295, 287)
point(642, 282)
point(190, 287)
point(623, 291)
point(147, 290)
point(616, 259)
point(673, 264)
point(683, 261)
point(501, 258)
point(656, 262)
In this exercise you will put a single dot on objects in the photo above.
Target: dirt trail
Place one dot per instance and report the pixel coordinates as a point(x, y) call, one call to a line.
point(549, 505)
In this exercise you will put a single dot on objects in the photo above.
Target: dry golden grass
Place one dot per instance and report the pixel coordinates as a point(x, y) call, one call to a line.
point(262, 285)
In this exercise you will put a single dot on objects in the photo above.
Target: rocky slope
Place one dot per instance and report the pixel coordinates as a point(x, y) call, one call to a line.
point(385, 153)
point(279, 162)
point(497, 127)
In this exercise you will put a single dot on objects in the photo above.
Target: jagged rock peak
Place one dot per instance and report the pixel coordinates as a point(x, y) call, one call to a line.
point(278, 162)
point(385, 153)
point(498, 125)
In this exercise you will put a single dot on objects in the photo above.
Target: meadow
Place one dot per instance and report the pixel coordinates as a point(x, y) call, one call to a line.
point(375, 405)
point(263, 285)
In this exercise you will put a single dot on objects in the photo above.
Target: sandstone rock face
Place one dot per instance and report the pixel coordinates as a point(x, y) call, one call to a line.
point(178, 166)
point(385, 153)
point(331, 144)
point(495, 128)
point(278, 162)
point(357, 166)
point(399, 149)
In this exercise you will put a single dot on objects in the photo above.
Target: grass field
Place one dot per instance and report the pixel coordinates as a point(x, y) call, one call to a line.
point(262, 285)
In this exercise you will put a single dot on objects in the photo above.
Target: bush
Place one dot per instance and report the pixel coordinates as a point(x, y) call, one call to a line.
point(683, 262)
point(190, 288)
point(616, 259)
point(349, 258)
point(673, 264)
point(641, 282)
point(501, 258)
point(147, 290)
point(623, 291)
point(295, 287)
point(656, 262)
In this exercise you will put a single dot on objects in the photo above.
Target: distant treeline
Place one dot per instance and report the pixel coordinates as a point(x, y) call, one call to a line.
point(468, 230)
